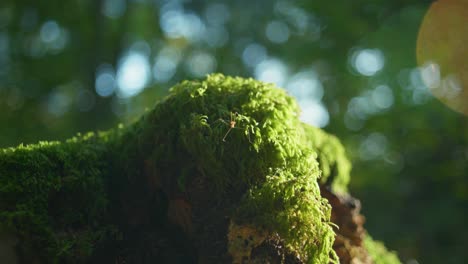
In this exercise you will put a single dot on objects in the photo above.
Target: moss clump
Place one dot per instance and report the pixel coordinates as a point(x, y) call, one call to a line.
point(378, 252)
point(264, 156)
point(51, 190)
point(332, 159)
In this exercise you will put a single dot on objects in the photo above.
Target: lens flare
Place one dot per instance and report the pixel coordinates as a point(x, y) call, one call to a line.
point(442, 54)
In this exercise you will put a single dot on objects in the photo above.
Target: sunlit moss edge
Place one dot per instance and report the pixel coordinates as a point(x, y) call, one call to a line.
point(378, 252)
point(333, 162)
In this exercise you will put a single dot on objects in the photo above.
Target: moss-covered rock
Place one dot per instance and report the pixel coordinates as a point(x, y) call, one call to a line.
point(221, 170)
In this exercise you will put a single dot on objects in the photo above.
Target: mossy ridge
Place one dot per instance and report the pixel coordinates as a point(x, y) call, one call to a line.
point(264, 156)
point(378, 252)
point(54, 198)
point(331, 155)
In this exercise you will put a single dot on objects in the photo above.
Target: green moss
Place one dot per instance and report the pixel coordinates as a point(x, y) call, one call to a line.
point(50, 189)
point(378, 252)
point(67, 195)
point(264, 156)
point(333, 162)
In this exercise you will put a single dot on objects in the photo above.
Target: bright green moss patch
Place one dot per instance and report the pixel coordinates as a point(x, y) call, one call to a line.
point(378, 252)
point(333, 162)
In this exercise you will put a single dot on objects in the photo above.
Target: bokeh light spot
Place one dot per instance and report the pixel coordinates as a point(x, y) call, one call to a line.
point(352, 123)
point(50, 32)
point(296, 16)
point(305, 84)
point(133, 74)
point(420, 92)
point(166, 63)
point(382, 97)
point(272, 71)
point(105, 83)
point(176, 24)
point(360, 107)
point(373, 146)
point(201, 63)
point(58, 103)
point(430, 75)
point(367, 61)
point(53, 38)
point(277, 32)
point(253, 54)
point(314, 113)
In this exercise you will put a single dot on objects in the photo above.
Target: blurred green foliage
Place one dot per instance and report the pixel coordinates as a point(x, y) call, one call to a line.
point(64, 68)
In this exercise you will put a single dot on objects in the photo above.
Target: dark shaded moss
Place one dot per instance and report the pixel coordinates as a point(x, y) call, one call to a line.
point(53, 198)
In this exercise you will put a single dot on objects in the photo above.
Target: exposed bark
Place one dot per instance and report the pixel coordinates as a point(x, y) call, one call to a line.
point(350, 232)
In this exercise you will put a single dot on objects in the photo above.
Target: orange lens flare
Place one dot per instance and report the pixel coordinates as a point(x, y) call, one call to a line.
point(442, 52)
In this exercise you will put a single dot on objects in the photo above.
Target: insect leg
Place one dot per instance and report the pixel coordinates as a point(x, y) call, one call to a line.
point(229, 130)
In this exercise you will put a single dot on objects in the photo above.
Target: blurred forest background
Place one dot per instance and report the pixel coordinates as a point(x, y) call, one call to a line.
point(80, 65)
